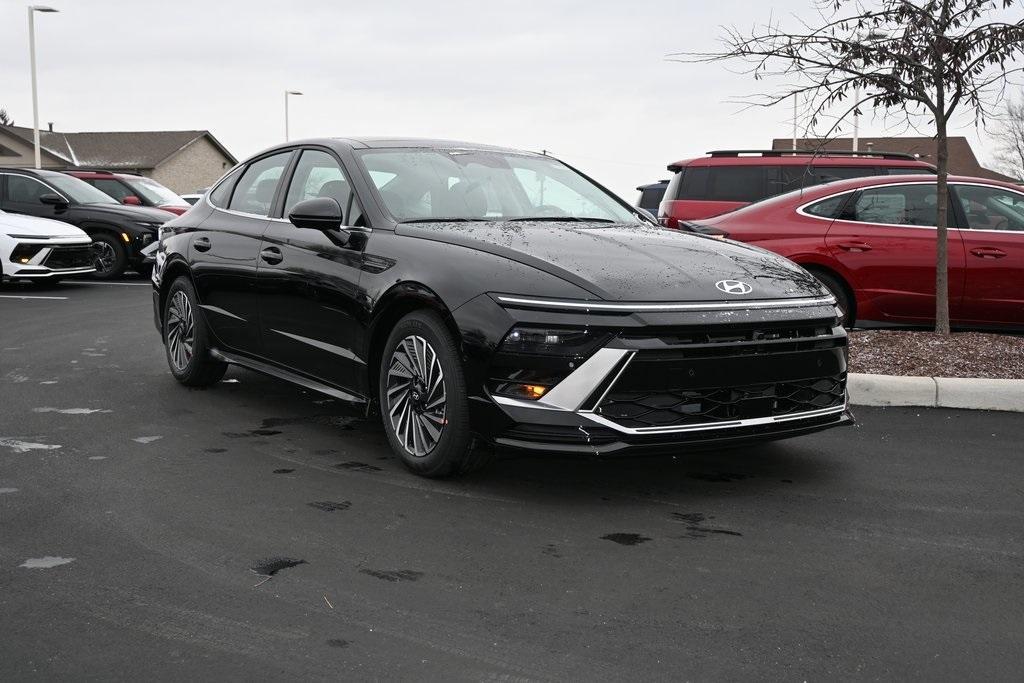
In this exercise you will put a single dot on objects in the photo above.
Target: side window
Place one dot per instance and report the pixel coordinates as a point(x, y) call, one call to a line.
point(689, 183)
point(898, 205)
point(991, 208)
point(318, 175)
point(829, 208)
point(110, 187)
point(255, 190)
point(736, 184)
point(219, 195)
point(24, 189)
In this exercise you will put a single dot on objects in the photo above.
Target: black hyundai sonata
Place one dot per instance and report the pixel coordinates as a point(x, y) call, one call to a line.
point(479, 297)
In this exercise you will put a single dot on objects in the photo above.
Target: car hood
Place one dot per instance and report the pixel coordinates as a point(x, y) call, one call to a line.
point(37, 227)
point(631, 262)
point(144, 214)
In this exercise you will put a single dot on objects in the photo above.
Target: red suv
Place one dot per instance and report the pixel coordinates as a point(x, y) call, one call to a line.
point(872, 242)
point(725, 180)
point(134, 190)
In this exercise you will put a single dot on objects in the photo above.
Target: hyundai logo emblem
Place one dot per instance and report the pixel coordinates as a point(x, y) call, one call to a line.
point(733, 287)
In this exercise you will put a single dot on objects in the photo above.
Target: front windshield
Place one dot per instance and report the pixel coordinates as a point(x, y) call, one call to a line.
point(425, 185)
point(79, 190)
point(154, 192)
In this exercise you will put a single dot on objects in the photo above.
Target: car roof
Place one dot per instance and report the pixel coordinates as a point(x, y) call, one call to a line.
point(402, 143)
point(799, 158)
point(98, 173)
point(41, 172)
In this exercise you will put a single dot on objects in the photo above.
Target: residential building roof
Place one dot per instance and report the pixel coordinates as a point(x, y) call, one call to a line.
point(116, 150)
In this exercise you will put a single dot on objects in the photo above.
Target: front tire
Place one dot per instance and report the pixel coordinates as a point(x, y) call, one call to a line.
point(423, 398)
point(111, 256)
point(187, 338)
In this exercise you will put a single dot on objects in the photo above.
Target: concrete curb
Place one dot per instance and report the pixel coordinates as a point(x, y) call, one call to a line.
point(937, 392)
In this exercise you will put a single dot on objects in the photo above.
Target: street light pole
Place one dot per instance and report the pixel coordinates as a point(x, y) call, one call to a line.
point(32, 9)
point(286, 94)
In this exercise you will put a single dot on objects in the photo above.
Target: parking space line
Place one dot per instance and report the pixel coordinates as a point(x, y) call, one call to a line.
point(118, 284)
point(26, 296)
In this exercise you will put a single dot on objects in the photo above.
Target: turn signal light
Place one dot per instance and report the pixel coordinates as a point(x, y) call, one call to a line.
point(125, 237)
point(535, 390)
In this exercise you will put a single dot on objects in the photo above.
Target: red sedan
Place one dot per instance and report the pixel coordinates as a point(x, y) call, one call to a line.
point(872, 241)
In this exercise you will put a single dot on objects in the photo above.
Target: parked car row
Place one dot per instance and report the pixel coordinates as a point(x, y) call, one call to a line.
point(118, 230)
point(864, 225)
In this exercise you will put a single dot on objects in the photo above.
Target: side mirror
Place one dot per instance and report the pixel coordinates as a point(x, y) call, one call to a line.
point(320, 213)
point(131, 200)
point(53, 199)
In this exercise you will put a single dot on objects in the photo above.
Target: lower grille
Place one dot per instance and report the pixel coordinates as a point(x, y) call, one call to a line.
point(62, 258)
point(682, 407)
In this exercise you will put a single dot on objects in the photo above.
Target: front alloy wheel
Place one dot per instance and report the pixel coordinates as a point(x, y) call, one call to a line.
point(416, 399)
point(423, 398)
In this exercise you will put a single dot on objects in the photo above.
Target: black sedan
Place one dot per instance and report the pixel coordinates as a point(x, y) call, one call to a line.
point(119, 233)
point(480, 297)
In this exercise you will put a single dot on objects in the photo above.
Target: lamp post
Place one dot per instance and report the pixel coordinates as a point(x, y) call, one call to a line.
point(286, 94)
point(32, 9)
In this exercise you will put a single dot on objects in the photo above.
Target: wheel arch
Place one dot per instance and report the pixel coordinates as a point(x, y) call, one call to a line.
point(399, 301)
point(815, 268)
point(171, 272)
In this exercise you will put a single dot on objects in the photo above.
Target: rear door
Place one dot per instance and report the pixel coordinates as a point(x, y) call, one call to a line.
point(885, 238)
point(309, 279)
point(225, 249)
point(994, 246)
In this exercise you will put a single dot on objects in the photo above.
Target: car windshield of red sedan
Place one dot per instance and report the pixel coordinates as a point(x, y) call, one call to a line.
point(432, 185)
point(155, 193)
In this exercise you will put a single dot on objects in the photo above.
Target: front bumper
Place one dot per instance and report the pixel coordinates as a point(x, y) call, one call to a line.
point(49, 258)
point(667, 381)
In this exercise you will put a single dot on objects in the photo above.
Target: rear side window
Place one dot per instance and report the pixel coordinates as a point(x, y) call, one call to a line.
point(829, 208)
point(218, 196)
point(910, 170)
point(721, 184)
point(896, 205)
point(111, 187)
point(651, 198)
point(255, 190)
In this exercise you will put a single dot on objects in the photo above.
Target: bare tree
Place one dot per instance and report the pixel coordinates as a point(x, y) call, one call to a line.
point(906, 58)
point(5, 120)
point(1009, 135)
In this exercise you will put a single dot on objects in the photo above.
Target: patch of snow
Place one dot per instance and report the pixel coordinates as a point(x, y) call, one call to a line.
point(146, 439)
point(25, 446)
point(71, 411)
point(47, 562)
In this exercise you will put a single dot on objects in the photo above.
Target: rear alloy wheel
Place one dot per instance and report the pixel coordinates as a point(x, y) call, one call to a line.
point(423, 399)
point(186, 338)
point(109, 256)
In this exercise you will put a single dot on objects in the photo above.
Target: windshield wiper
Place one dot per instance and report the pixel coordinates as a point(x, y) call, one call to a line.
point(445, 220)
point(558, 219)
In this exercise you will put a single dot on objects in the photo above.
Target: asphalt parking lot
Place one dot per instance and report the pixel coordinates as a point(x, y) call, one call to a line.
point(148, 516)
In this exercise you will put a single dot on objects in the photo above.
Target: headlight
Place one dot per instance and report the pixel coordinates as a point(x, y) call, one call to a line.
point(549, 342)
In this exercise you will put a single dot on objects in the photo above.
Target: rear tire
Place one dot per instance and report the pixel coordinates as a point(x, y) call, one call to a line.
point(187, 338)
point(111, 256)
point(844, 301)
point(423, 399)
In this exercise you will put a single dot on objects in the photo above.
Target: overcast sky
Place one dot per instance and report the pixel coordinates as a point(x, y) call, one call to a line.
point(587, 80)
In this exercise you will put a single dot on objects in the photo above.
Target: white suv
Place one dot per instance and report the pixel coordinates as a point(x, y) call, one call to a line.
point(42, 249)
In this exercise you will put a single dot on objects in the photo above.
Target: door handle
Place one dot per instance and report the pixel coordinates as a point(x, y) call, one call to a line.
point(271, 255)
point(202, 244)
point(988, 252)
point(854, 246)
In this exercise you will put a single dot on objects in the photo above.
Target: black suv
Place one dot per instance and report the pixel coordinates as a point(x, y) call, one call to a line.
point(119, 232)
point(480, 297)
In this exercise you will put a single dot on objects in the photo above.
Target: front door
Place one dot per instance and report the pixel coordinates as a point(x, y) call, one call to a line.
point(225, 248)
point(994, 243)
point(309, 280)
point(886, 238)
